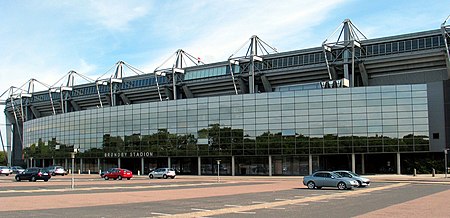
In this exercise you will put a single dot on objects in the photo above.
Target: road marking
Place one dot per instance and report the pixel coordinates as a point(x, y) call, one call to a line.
point(277, 208)
point(280, 199)
point(232, 205)
point(301, 204)
point(259, 202)
point(199, 209)
point(324, 201)
point(162, 214)
point(283, 203)
point(299, 196)
point(109, 188)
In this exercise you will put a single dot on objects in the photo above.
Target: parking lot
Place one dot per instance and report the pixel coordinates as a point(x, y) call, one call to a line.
point(193, 196)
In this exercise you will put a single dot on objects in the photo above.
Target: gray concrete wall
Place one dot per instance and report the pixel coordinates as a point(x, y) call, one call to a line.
point(436, 115)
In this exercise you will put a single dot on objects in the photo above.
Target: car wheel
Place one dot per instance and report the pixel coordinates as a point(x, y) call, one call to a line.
point(150, 176)
point(106, 178)
point(33, 179)
point(45, 180)
point(164, 176)
point(7, 174)
point(173, 177)
point(120, 177)
point(341, 186)
point(359, 183)
point(17, 179)
point(311, 185)
point(128, 178)
point(319, 187)
point(53, 174)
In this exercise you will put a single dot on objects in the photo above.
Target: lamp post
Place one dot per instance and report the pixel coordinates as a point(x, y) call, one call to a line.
point(218, 171)
point(445, 161)
point(75, 150)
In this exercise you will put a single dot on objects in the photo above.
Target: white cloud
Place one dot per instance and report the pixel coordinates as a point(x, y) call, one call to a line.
point(216, 32)
point(116, 15)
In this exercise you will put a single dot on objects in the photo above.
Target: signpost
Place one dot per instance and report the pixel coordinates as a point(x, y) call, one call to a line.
point(218, 171)
point(445, 161)
point(75, 151)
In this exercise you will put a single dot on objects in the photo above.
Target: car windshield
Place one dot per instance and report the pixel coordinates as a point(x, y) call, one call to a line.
point(352, 173)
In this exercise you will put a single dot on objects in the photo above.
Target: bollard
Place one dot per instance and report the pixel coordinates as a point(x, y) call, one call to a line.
point(70, 171)
point(139, 172)
point(79, 171)
point(89, 172)
point(433, 172)
point(415, 172)
point(100, 172)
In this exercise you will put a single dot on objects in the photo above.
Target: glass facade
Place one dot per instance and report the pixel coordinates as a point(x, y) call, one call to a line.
point(325, 121)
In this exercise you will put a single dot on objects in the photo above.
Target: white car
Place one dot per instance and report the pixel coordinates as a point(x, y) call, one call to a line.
point(162, 173)
point(5, 170)
point(362, 181)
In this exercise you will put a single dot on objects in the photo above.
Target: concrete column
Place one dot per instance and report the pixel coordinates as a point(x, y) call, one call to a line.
point(9, 142)
point(33, 164)
point(43, 163)
point(65, 163)
point(28, 163)
point(81, 164)
point(199, 163)
point(54, 161)
point(398, 164)
point(270, 165)
point(142, 166)
point(310, 164)
point(233, 170)
point(353, 163)
point(169, 163)
point(118, 162)
point(98, 165)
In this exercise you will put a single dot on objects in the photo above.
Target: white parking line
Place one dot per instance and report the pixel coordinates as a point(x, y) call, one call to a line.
point(321, 201)
point(162, 214)
point(200, 209)
point(259, 202)
point(301, 204)
point(232, 205)
point(276, 208)
point(281, 199)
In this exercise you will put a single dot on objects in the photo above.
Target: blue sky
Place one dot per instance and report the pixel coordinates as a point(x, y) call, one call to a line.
point(46, 39)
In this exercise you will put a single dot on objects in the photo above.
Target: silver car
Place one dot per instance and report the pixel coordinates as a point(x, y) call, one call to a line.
point(362, 182)
point(328, 179)
point(162, 173)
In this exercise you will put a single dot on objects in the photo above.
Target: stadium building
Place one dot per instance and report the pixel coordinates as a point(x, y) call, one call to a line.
point(368, 105)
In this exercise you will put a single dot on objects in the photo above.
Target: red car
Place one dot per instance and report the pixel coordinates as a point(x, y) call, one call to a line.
point(118, 173)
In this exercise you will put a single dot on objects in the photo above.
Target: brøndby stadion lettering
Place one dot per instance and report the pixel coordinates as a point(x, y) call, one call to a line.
point(367, 105)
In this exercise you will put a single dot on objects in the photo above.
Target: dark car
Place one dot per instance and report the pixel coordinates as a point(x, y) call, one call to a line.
point(118, 173)
point(33, 174)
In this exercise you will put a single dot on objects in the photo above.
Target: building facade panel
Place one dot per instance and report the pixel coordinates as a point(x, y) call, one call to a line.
point(287, 125)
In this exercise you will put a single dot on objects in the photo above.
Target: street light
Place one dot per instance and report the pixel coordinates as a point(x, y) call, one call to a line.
point(75, 150)
point(445, 161)
point(218, 171)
